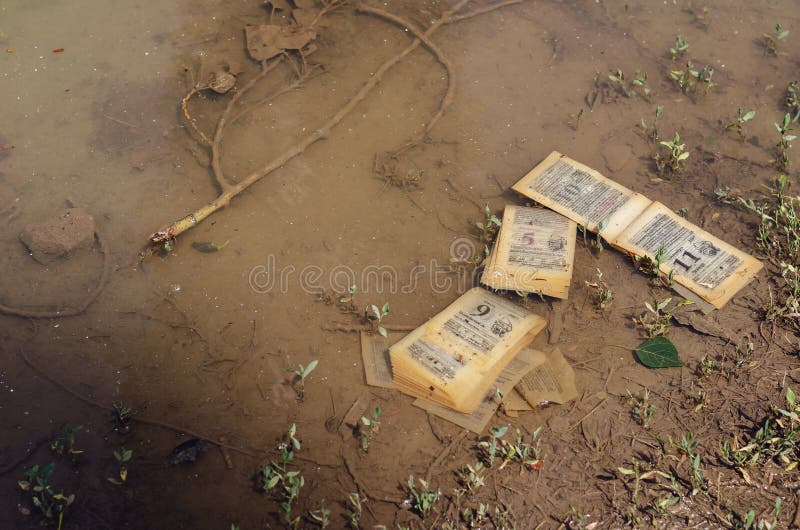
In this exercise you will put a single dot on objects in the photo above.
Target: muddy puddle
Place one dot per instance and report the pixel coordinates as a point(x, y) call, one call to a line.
point(201, 341)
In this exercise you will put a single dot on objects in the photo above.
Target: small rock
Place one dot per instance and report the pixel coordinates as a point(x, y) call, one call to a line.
point(55, 237)
point(616, 156)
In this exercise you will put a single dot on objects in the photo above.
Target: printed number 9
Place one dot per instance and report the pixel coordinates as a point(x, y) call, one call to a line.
point(483, 310)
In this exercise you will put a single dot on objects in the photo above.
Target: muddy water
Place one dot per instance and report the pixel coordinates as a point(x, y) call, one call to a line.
point(202, 341)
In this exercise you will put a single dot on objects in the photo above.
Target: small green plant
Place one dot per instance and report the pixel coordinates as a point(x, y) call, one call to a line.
point(708, 366)
point(52, 505)
point(637, 87)
point(278, 476)
point(656, 321)
point(321, 516)
point(300, 375)
point(778, 239)
point(123, 456)
point(122, 414)
point(749, 521)
point(603, 295)
point(375, 315)
point(489, 226)
point(690, 79)
point(423, 498)
point(723, 195)
point(651, 131)
point(700, 400)
point(575, 119)
point(742, 118)
point(772, 40)
point(476, 518)
point(528, 454)
point(687, 445)
point(784, 143)
point(347, 302)
point(678, 49)
point(793, 99)
point(492, 446)
point(368, 428)
point(652, 267)
point(577, 519)
point(471, 477)
point(642, 409)
point(65, 442)
point(355, 506)
point(673, 160)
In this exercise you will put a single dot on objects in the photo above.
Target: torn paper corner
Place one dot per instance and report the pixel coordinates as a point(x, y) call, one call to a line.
point(477, 420)
point(551, 382)
point(375, 357)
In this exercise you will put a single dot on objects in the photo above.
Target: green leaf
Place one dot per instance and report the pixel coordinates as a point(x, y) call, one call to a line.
point(790, 397)
point(658, 352)
point(382, 331)
point(749, 116)
point(310, 368)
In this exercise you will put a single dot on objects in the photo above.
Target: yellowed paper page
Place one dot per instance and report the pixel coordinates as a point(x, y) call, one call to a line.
point(513, 401)
point(582, 194)
point(551, 382)
point(454, 358)
point(476, 421)
point(703, 263)
point(375, 356)
point(534, 252)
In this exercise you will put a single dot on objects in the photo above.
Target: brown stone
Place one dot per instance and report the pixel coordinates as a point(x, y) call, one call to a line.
point(55, 237)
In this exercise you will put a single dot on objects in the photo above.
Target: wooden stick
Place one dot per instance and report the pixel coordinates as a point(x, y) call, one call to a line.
point(216, 163)
point(170, 232)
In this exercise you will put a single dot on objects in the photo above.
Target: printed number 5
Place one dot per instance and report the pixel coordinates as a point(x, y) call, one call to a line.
point(528, 238)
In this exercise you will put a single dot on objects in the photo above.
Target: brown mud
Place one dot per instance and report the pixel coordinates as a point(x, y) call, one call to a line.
point(200, 343)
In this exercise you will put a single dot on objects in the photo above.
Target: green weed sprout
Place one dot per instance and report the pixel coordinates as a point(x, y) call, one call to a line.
point(742, 118)
point(785, 142)
point(375, 315)
point(675, 157)
point(43, 495)
point(642, 409)
point(368, 428)
point(278, 476)
point(793, 99)
point(65, 443)
point(489, 226)
point(423, 498)
point(354, 509)
point(321, 516)
point(300, 375)
point(771, 40)
point(679, 48)
point(492, 446)
point(123, 456)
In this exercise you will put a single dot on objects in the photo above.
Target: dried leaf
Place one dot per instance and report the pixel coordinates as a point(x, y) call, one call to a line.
point(268, 40)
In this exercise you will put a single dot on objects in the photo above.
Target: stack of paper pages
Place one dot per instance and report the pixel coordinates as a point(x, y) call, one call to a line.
point(708, 267)
point(454, 359)
point(533, 253)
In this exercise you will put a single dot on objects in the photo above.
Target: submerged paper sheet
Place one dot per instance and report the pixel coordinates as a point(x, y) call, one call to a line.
point(375, 357)
point(455, 357)
point(553, 381)
point(711, 269)
point(476, 421)
point(534, 252)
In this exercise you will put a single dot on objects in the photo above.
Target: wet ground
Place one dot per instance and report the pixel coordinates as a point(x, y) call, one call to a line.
point(200, 343)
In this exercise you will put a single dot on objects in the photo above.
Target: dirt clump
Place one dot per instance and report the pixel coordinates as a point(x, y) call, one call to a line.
point(57, 236)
